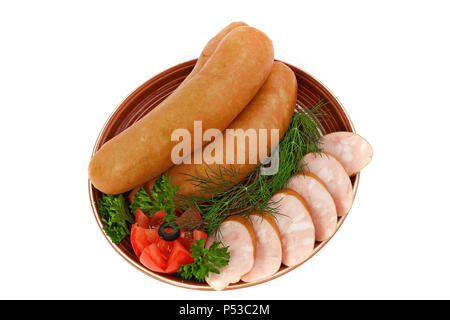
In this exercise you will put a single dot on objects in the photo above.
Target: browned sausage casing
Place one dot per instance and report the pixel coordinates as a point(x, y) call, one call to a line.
point(215, 95)
point(272, 108)
point(210, 47)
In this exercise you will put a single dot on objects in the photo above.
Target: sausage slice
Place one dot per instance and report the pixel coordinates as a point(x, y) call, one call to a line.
point(333, 175)
point(319, 201)
point(268, 247)
point(352, 150)
point(296, 227)
point(237, 234)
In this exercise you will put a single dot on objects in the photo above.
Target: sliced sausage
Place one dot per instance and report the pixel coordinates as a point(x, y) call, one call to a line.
point(352, 150)
point(237, 234)
point(319, 201)
point(268, 247)
point(243, 60)
point(333, 175)
point(296, 227)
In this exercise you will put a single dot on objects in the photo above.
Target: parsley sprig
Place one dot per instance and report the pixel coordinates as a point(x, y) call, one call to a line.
point(115, 216)
point(206, 260)
point(160, 199)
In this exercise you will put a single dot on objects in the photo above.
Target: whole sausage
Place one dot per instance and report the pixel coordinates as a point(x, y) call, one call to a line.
point(268, 247)
point(319, 201)
point(296, 227)
point(271, 108)
point(352, 150)
point(333, 175)
point(237, 234)
point(201, 61)
point(216, 95)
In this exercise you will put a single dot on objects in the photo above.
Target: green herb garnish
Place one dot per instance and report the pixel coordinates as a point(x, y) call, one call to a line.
point(302, 137)
point(114, 213)
point(255, 192)
point(160, 199)
point(206, 260)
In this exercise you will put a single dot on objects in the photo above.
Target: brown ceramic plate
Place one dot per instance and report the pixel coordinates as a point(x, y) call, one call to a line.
point(151, 93)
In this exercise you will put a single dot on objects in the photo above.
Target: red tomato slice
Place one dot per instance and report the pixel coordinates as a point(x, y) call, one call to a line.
point(197, 235)
point(141, 219)
point(153, 259)
point(157, 218)
point(165, 247)
point(188, 237)
point(185, 238)
point(154, 252)
point(178, 256)
point(141, 238)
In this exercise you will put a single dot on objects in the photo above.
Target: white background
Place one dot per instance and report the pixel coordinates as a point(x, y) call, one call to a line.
point(65, 66)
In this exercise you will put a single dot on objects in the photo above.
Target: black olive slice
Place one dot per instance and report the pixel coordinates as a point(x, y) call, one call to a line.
point(173, 235)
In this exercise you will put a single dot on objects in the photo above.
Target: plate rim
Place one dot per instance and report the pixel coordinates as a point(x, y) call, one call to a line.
point(202, 286)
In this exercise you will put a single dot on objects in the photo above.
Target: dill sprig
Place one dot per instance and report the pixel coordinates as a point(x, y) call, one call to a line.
point(255, 192)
